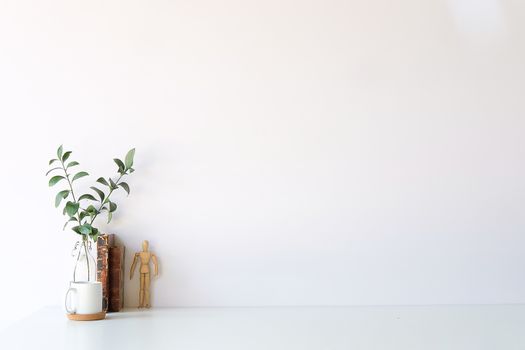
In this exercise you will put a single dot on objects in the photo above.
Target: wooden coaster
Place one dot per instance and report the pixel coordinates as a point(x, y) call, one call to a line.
point(87, 317)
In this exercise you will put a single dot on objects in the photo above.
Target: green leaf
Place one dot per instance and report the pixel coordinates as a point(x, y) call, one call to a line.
point(79, 175)
point(67, 222)
point(99, 192)
point(59, 152)
point(95, 236)
point(76, 229)
point(131, 170)
point(71, 208)
point(129, 158)
point(110, 216)
point(82, 215)
point(52, 161)
point(125, 186)
point(73, 163)
point(53, 181)
point(102, 181)
point(112, 207)
point(113, 185)
point(91, 210)
point(52, 170)
point(61, 195)
point(66, 156)
point(87, 196)
point(85, 229)
point(94, 233)
point(120, 164)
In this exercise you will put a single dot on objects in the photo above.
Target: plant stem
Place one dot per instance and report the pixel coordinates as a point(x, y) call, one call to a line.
point(75, 270)
point(71, 188)
point(68, 181)
point(105, 200)
point(85, 243)
point(84, 240)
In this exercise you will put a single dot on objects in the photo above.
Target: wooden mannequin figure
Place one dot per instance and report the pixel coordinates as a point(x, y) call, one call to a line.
point(145, 256)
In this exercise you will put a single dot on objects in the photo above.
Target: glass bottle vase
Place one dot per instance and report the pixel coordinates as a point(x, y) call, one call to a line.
point(85, 264)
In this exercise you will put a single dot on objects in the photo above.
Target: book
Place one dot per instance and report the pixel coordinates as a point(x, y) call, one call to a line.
point(116, 279)
point(104, 242)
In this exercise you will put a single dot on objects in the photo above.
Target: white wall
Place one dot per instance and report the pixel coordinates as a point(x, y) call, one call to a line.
point(288, 152)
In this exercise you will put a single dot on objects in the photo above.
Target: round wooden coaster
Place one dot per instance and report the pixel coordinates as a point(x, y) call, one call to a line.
point(87, 317)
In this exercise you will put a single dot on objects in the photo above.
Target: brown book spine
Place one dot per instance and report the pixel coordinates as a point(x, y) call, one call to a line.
point(116, 279)
point(104, 242)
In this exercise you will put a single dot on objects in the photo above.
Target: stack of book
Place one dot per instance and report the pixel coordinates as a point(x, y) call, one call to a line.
point(110, 272)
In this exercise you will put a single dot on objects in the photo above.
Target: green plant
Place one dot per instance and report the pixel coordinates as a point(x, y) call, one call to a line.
point(84, 209)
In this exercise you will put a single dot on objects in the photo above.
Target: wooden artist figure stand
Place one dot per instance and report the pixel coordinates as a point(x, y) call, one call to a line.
point(145, 257)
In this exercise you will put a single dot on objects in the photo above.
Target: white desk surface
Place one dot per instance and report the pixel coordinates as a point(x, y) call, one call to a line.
point(392, 327)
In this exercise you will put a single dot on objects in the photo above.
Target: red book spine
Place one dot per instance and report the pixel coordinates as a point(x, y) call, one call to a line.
point(104, 242)
point(116, 279)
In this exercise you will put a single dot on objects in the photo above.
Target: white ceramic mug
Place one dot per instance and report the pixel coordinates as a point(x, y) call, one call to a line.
point(85, 297)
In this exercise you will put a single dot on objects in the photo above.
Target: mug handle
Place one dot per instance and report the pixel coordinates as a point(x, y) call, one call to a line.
point(65, 301)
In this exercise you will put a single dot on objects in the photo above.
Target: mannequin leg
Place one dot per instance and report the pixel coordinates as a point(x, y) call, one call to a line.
point(141, 293)
point(146, 289)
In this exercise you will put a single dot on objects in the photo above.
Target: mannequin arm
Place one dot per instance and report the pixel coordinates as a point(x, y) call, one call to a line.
point(155, 263)
point(133, 265)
